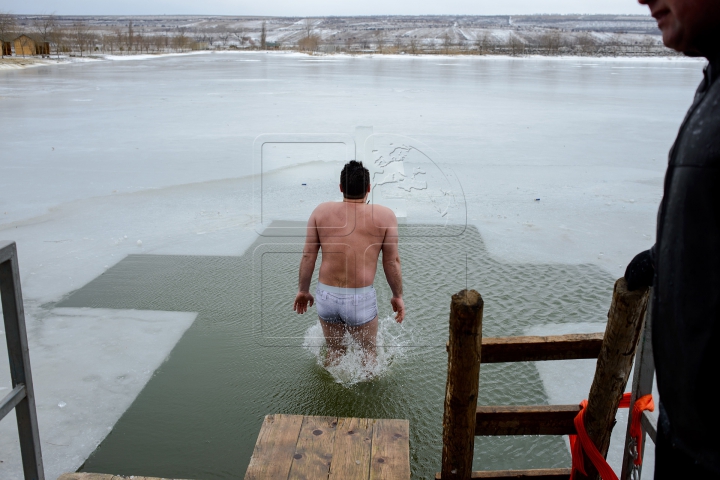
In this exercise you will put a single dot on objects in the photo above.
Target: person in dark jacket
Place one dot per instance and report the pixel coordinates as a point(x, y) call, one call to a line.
point(684, 264)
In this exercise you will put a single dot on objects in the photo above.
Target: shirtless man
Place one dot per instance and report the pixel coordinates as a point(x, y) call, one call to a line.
point(351, 235)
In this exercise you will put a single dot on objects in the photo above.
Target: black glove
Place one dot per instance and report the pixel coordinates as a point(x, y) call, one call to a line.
point(640, 272)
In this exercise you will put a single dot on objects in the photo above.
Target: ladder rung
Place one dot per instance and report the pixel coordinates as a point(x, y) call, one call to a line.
point(536, 474)
point(649, 424)
point(526, 420)
point(533, 349)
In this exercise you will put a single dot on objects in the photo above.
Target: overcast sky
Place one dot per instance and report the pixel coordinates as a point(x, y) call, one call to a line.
point(318, 7)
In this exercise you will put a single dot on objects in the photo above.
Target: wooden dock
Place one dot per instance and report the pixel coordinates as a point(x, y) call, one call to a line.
point(304, 447)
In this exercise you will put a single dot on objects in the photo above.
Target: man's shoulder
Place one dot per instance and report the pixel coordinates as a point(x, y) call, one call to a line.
point(325, 209)
point(383, 212)
point(326, 206)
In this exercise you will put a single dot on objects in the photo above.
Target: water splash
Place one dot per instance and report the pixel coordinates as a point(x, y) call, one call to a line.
point(355, 367)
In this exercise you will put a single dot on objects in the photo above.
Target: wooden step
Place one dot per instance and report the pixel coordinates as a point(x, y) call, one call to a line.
point(526, 420)
point(536, 474)
point(534, 349)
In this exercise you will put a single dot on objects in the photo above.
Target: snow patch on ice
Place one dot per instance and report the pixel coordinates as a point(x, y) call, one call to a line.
point(88, 365)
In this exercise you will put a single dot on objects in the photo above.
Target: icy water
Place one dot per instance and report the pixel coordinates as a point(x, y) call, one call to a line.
point(199, 415)
point(135, 125)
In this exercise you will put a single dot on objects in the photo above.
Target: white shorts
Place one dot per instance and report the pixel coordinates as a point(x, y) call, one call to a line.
point(350, 306)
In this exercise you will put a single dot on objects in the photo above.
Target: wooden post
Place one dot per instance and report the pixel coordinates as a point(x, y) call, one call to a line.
point(625, 320)
point(461, 391)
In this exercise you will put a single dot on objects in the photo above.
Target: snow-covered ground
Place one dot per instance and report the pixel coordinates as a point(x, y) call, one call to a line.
point(560, 160)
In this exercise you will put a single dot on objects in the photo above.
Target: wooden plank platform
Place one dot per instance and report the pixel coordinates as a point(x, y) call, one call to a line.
point(538, 474)
point(534, 349)
point(104, 476)
point(333, 448)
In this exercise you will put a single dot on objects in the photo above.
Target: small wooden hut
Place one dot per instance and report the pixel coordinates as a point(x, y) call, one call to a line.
point(31, 45)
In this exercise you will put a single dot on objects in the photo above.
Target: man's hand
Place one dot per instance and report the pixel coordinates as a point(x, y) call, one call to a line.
point(398, 307)
point(303, 300)
point(640, 271)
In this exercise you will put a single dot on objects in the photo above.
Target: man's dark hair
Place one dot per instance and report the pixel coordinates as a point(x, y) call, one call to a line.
point(354, 179)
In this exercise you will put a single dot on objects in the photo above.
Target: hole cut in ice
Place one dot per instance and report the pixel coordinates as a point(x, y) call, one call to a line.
point(355, 366)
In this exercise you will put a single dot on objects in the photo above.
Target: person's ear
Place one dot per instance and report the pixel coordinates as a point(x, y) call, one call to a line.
point(368, 188)
point(341, 189)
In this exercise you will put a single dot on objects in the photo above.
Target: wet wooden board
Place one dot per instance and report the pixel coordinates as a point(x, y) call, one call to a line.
point(390, 457)
point(275, 447)
point(539, 474)
point(354, 437)
point(314, 449)
point(103, 476)
point(526, 420)
point(305, 447)
point(534, 349)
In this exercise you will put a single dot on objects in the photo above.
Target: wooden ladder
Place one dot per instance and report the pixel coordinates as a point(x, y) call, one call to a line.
point(463, 419)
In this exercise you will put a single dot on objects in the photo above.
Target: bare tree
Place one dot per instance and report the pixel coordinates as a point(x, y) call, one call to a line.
point(129, 38)
point(413, 46)
point(446, 42)
point(263, 36)
point(80, 36)
point(647, 44)
point(550, 42)
point(239, 35)
point(159, 41)
point(614, 44)
point(58, 37)
point(224, 36)
point(308, 25)
point(143, 42)
point(379, 40)
point(43, 27)
point(462, 44)
point(108, 42)
point(310, 42)
point(484, 42)
point(7, 28)
point(117, 38)
point(207, 37)
point(515, 45)
point(587, 43)
point(180, 40)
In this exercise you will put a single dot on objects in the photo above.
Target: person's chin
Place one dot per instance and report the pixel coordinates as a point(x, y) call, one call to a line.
point(672, 38)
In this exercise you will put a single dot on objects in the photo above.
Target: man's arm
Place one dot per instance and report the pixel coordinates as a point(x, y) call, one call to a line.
point(304, 299)
point(391, 266)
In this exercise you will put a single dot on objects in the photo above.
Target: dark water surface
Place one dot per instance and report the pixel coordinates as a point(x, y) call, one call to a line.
point(199, 415)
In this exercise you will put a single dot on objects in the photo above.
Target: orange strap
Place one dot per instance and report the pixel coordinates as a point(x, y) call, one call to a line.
point(581, 442)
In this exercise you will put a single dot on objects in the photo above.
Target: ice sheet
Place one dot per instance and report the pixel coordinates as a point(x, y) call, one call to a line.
point(88, 366)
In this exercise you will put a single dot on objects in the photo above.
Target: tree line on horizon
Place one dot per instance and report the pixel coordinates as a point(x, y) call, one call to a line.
point(80, 38)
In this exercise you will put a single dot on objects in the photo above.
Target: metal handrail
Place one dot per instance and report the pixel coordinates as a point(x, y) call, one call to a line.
point(22, 397)
point(642, 385)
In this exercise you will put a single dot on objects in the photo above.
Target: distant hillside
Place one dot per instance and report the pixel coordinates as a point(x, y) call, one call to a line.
point(513, 35)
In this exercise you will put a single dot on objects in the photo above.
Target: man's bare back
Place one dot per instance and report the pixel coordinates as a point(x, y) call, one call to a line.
point(351, 235)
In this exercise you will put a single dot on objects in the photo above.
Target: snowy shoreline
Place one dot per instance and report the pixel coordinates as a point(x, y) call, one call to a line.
point(15, 63)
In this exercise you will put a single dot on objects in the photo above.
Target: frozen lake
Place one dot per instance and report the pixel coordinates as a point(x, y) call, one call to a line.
point(127, 185)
